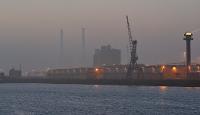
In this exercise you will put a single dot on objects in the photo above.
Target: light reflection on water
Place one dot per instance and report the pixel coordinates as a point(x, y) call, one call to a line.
point(193, 88)
point(96, 86)
point(163, 88)
point(52, 99)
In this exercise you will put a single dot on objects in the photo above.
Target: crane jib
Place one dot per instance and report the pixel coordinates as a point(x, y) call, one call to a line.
point(133, 47)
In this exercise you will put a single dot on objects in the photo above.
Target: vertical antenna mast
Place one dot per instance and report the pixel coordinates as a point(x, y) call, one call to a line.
point(61, 47)
point(133, 45)
point(83, 47)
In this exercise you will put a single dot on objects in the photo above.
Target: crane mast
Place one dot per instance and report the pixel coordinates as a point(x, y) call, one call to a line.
point(133, 48)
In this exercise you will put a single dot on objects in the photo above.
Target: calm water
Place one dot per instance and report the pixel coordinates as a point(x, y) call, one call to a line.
point(52, 99)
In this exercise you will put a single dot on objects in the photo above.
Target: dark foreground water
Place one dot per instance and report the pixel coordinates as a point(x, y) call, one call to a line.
point(54, 99)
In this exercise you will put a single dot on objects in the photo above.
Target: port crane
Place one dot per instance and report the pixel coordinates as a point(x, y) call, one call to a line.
point(132, 66)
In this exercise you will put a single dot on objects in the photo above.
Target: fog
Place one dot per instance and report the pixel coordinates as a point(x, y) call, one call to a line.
point(30, 30)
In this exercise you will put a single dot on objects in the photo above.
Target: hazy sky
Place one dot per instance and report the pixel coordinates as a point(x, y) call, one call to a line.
point(29, 31)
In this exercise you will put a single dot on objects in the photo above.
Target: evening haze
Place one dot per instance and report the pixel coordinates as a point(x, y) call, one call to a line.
point(30, 30)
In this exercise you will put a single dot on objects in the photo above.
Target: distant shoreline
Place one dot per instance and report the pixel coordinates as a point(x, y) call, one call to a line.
point(133, 82)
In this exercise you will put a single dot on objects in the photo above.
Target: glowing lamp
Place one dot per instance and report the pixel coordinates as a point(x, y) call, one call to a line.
point(188, 36)
point(174, 69)
point(96, 70)
point(163, 68)
point(189, 68)
point(198, 68)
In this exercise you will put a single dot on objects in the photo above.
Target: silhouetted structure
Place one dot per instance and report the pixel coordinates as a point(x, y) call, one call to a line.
point(107, 56)
point(2, 74)
point(15, 73)
point(61, 60)
point(133, 47)
point(83, 48)
point(188, 38)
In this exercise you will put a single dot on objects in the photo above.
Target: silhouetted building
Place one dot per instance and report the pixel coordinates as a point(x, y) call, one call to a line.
point(15, 73)
point(2, 75)
point(107, 56)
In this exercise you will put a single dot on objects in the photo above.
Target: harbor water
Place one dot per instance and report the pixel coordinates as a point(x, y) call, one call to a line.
point(64, 99)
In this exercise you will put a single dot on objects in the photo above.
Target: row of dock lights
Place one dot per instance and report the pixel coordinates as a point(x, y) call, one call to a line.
point(173, 69)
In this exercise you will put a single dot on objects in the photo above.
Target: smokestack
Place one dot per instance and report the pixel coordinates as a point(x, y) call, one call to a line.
point(83, 48)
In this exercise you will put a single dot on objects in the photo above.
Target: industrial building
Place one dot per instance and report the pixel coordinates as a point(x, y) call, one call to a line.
point(107, 56)
point(15, 73)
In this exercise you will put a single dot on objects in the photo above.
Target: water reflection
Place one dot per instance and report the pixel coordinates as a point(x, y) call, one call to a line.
point(192, 88)
point(163, 88)
point(96, 86)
